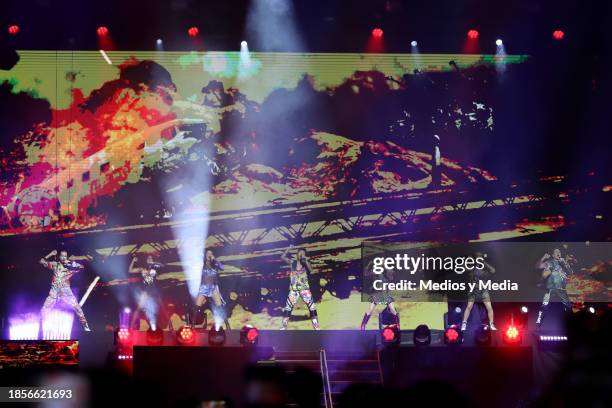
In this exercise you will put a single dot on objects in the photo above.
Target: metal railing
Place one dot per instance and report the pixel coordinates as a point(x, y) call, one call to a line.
point(327, 397)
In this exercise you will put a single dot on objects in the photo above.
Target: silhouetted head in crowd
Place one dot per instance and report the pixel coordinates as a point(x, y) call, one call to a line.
point(265, 387)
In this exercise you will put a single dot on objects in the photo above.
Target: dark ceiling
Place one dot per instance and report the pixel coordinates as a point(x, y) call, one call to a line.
point(326, 26)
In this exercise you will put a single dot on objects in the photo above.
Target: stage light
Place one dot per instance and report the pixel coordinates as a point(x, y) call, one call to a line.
point(193, 31)
point(124, 317)
point(591, 310)
point(159, 41)
point(454, 316)
point(422, 335)
point(57, 325)
point(216, 336)
point(13, 30)
point(124, 335)
point(243, 44)
point(552, 342)
point(185, 335)
point(558, 35)
point(390, 334)
point(500, 57)
point(414, 43)
point(483, 335)
point(512, 335)
point(154, 337)
point(550, 338)
point(102, 31)
point(24, 327)
point(472, 34)
point(522, 321)
point(249, 335)
point(452, 335)
point(377, 32)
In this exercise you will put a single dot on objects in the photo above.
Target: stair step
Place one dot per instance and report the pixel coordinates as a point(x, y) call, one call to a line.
point(355, 376)
point(350, 366)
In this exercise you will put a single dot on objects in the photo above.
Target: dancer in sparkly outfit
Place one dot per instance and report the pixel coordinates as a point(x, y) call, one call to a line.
point(148, 295)
point(209, 289)
point(63, 269)
point(299, 287)
point(479, 295)
point(381, 298)
point(556, 270)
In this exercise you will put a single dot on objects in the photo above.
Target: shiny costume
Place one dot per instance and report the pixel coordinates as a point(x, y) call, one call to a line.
point(381, 298)
point(208, 287)
point(60, 289)
point(299, 287)
point(149, 296)
point(210, 279)
point(476, 276)
point(555, 285)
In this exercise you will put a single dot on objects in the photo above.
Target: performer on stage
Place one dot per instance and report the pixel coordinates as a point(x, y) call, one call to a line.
point(148, 295)
point(556, 270)
point(209, 288)
point(479, 295)
point(381, 298)
point(63, 269)
point(299, 286)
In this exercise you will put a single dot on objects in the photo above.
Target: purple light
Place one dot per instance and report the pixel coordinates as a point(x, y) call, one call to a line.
point(57, 325)
point(24, 327)
point(124, 317)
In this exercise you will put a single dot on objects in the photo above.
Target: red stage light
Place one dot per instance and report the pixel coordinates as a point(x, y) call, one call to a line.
point(193, 31)
point(558, 35)
point(472, 34)
point(377, 32)
point(13, 30)
point(249, 335)
point(388, 334)
point(185, 335)
point(102, 31)
point(451, 335)
point(252, 334)
point(512, 335)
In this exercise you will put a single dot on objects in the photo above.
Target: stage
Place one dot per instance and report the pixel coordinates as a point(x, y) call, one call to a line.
point(341, 358)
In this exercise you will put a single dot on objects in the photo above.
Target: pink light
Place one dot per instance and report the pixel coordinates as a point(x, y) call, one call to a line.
point(388, 334)
point(102, 31)
point(452, 335)
point(193, 31)
point(252, 334)
point(558, 35)
point(472, 34)
point(13, 30)
point(123, 334)
point(377, 32)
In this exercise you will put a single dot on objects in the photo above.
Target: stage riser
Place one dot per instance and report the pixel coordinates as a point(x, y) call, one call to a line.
point(351, 341)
